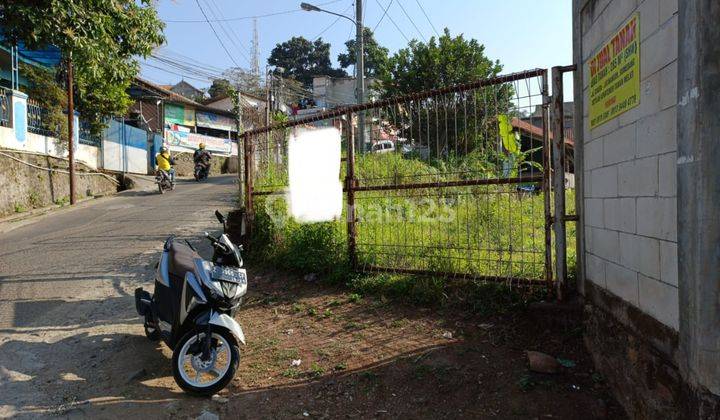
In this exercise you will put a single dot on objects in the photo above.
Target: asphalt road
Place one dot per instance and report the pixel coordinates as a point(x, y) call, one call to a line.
point(69, 335)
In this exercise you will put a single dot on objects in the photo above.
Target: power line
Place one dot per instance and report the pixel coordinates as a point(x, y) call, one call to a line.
point(216, 34)
point(246, 17)
point(211, 7)
point(176, 73)
point(427, 17)
point(232, 31)
point(411, 20)
point(395, 24)
point(331, 24)
point(383, 15)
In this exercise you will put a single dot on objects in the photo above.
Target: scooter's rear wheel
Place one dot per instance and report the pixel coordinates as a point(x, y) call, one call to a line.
point(205, 377)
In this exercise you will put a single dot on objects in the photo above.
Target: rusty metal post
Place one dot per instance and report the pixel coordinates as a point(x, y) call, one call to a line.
point(546, 182)
point(71, 129)
point(350, 187)
point(248, 171)
point(558, 177)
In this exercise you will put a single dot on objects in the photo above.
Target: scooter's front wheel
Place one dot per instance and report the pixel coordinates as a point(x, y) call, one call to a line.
point(205, 376)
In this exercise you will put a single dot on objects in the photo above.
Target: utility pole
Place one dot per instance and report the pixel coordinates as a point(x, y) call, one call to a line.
point(267, 96)
point(71, 128)
point(241, 149)
point(359, 74)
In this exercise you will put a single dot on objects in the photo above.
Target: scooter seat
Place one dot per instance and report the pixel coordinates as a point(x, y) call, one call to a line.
point(181, 259)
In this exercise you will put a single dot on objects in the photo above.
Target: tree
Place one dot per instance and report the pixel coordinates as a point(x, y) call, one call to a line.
point(442, 62)
point(377, 57)
point(219, 87)
point(439, 62)
point(45, 90)
point(102, 38)
point(301, 59)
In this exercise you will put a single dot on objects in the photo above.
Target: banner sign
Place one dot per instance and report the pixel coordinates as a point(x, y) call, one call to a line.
point(178, 114)
point(615, 74)
point(218, 122)
point(183, 141)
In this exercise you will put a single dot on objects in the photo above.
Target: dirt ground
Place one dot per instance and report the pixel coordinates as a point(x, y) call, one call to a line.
point(72, 345)
point(360, 357)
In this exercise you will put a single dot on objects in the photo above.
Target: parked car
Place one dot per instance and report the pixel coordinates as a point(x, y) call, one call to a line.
point(415, 151)
point(383, 146)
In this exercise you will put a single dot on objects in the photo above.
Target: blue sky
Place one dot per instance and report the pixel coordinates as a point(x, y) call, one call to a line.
point(522, 34)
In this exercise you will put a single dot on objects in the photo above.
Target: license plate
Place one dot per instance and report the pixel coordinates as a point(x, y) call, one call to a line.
point(229, 274)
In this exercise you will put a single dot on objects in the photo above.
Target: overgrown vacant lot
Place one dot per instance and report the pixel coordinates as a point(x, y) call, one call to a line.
point(364, 356)
point(474, 231)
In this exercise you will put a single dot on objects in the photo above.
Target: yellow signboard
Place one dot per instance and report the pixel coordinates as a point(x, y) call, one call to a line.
point(615, 74)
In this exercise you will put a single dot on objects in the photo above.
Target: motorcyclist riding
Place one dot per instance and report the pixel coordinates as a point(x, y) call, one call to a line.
point(202, 156)
point(165, 162)
point(201, 159)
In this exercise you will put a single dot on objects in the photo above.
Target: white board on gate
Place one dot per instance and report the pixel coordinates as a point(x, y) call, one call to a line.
point(314, 170)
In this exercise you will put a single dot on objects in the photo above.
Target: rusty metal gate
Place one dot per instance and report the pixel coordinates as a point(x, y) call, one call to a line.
point(452, 182)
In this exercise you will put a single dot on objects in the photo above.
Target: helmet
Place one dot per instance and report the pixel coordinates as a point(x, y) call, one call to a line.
point(201, 145)
point(163, 149)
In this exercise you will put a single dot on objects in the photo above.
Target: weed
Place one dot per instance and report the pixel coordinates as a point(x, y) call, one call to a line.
point(340, 366)
point(321, 353)
point(398, 323)
point(19, 208)
point(334, 302)
point(62, 201)
point(298, 307)
point(316, 370)
point(34, 199)
point(354, 298)
point(311, 311)
point(292, 373)
point(328, 313)
point(287, 354)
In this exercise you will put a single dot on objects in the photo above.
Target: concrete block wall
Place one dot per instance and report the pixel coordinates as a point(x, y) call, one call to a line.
point(630, 203)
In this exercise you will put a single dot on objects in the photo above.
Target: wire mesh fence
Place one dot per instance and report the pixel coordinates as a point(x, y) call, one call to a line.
point(451, 182)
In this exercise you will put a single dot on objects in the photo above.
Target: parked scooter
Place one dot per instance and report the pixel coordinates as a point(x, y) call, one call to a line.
point(201, 171)
point(162, 178)
point(192, 311)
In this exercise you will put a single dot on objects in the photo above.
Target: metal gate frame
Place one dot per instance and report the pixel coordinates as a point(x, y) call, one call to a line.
point(552, 178)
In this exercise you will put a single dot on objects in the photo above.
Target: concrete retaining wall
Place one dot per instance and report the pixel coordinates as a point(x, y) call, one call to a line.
point(219, 164)
point(26, 187)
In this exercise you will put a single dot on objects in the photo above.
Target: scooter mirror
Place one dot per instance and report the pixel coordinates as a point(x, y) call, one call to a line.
point(220, 216)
